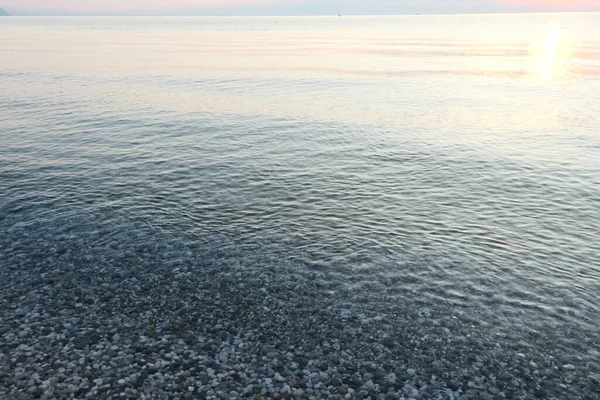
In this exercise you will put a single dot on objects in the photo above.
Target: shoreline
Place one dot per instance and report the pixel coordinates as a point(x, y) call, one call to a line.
point(148, 327)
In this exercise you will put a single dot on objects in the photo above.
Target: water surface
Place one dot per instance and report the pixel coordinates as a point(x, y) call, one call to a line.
point(454, 160)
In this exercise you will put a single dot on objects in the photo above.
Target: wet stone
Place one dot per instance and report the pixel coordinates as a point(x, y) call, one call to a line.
point(152, 315)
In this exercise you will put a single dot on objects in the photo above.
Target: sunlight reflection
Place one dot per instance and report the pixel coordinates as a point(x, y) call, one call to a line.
point(548, 53)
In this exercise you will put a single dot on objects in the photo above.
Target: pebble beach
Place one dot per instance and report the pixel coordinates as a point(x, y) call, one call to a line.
point(374, 207)
point(172, 321)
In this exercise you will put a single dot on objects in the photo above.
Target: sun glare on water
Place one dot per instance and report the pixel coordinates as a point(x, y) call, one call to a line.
point(548, 54)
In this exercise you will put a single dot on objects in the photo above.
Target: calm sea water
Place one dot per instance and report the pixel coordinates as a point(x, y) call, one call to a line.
point(456, 159)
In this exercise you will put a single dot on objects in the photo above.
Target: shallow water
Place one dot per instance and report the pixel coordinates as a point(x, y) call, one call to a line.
point(455, 159)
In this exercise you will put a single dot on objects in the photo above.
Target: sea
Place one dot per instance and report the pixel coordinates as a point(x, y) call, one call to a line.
point(452, 159)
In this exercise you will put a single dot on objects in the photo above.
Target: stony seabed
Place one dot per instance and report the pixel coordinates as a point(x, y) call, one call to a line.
point(109, 314)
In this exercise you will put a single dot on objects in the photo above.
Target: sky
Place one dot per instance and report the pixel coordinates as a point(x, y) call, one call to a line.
point(286, 7)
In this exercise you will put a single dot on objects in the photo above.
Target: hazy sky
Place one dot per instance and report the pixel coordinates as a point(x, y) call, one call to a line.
point(287, 7)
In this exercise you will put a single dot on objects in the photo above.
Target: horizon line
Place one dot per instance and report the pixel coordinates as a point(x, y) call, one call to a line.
point(298, 15)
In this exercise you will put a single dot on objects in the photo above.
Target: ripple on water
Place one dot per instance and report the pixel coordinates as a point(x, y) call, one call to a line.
point(420, 212)
point(457, 229)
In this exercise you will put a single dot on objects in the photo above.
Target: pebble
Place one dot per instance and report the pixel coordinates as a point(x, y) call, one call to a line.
point(279, 378)
point(391, 378)
point(172, 321)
